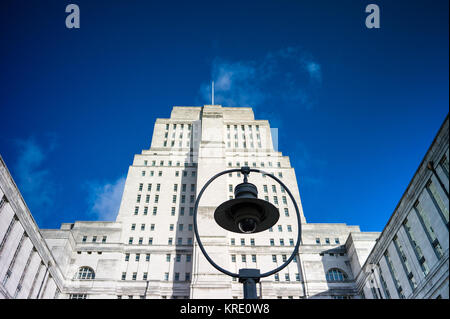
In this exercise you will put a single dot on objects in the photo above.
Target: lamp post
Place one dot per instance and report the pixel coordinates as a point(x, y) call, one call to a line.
point(246, 214)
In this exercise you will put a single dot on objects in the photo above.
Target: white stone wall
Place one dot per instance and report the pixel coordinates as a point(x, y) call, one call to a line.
point(27, 267)
point(416, 237)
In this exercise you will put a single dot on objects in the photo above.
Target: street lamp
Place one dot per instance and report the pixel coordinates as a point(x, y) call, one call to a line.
point(246, 214)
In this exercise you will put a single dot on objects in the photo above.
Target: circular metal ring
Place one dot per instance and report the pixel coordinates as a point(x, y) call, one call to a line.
point(197, 236)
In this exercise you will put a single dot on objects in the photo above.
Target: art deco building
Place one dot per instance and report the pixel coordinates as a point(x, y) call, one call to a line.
point(150, 250)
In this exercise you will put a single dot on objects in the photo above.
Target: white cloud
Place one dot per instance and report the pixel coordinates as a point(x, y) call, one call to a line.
point(34, 181)
point(105, 198)
point(285, 78)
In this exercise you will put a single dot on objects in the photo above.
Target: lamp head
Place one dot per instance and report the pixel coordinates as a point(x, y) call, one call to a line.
point(246, 213)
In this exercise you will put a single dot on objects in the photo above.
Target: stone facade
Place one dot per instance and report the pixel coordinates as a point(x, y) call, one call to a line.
point(410, 259)
point(27, 267)
point(150, 250)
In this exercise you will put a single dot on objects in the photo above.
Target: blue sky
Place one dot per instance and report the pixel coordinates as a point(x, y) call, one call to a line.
point(356, 108)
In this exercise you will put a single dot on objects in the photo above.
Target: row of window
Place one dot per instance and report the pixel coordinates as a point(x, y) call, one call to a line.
point(174, 198)
point(238, 164)
point(158, 187)
point(327, 241)
point(155, 211)
point(170, 163)
point(178, 257)
point(95, 239)
point(87, 273)
point(171, 227)
point(176, 277)
point(177, 173)
point(169, 241)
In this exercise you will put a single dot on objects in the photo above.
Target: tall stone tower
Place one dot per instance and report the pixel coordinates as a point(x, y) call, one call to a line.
point(187, 149)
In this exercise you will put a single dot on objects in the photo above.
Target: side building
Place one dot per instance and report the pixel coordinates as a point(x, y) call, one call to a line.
point(27, 267)
point(410, 259)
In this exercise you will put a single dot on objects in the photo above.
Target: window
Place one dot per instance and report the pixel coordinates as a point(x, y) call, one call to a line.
point(327, 241)
point(233, 258)
point(274, 258)
point(167, 257)
point(242, 241)
point(136, 210)
point(336, 240)
point(124, 275)
point(244, 258)
point(130, 240)
point(127, 257)
point(144, 276)
point(147, 257)
point(85, 273)
point(286, 212)
point(84, 239)
point(272, 242)
point(336, 274)
point(138, 257)
point(232, 241)
point(317, 240)
point(286, 277)
point(254, 258)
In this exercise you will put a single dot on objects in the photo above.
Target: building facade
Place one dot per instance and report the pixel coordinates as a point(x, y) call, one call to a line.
point(150, 250)
point(410, 258)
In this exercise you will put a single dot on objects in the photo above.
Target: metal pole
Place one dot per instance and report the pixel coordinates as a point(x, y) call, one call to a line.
point(250, 289)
